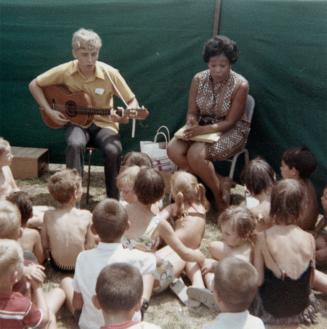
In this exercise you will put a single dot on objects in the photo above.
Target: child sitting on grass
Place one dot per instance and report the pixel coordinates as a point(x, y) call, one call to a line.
point(321, 237)
point(259, 178)
point(33, 275)
point(109, 221)
point(7, 181)
point(139, 159)
point(235, 286)
point(285, 259)
point(17, 311)
point(66, 229)
point(237, 225)
point(125, 183)
point(299, 163)
point(30, 239)
point(119, 291)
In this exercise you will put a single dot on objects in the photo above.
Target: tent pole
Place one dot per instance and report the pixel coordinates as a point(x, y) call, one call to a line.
point(216, 18)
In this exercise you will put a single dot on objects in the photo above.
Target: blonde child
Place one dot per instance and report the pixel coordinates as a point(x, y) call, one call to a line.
point(7, 181)
point(17, 311)
point(284, 258)
point(237, 225)
point(188, 218)
point(125, 183)
point(33, 275)
point(299, 163)
point(66, 230)
point(259, 177)
point(235, 286)
point(31, 238)
point(119, 291)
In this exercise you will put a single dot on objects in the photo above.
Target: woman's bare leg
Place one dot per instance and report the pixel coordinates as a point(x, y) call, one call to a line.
point(203, 168)
point(176, 151)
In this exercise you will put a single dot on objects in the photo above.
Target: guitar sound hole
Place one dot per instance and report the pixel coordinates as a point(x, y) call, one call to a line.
point(71, 109)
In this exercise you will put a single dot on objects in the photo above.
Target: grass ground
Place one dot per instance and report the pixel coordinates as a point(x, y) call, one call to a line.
point(165, 309)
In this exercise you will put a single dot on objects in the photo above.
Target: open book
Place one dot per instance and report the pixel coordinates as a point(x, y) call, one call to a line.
point(205, 138)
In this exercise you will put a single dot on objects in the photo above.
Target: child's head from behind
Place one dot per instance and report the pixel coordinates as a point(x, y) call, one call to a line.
point(237, 225)
point(235, 284)
point(10, 221)
point(5, 153)
point(149, 186)
point(125, 183)
point(258, 176)
point(11, 261)
point(298, 162)
point(185, 188)
point(110, 220)
point(286, 201)
point(65, 185)
point(137, 159)
point(23, 203)
point(86, 39)
point(119, 289)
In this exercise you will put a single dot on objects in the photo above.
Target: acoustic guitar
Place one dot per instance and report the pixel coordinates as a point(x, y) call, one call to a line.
point(78, 109)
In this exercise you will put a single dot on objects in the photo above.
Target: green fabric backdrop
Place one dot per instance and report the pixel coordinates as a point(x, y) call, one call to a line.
point(156, 45)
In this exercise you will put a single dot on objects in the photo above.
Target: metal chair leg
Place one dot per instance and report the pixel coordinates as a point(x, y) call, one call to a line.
point(90, 152)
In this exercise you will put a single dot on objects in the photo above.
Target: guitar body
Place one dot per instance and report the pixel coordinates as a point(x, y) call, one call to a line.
point(77, 107)
point(61, 99)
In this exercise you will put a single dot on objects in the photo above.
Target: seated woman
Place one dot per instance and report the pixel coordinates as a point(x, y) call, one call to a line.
point(217, 101)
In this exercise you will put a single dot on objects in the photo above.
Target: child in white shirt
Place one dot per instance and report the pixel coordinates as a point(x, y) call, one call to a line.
point(235, 286)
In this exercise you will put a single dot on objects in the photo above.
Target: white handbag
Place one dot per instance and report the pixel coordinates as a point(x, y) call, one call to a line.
point(157, 151)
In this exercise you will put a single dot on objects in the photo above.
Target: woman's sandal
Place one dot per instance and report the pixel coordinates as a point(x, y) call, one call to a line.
point(204, 296)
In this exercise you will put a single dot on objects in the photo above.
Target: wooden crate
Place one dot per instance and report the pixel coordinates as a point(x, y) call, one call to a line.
point(29, 162)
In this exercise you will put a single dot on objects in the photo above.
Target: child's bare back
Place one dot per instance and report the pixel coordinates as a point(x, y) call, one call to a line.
point(66, 233)
point(31, 241)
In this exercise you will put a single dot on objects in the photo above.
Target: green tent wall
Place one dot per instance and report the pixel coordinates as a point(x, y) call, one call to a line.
point(157, 44)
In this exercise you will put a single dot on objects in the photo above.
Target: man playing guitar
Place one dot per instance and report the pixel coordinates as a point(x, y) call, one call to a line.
point(101, 82)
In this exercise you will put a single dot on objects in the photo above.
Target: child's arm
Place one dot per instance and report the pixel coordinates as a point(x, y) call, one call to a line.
point(12, 180)
point(39, 300)
point(44, 236)
point(78, 301)
point(38, 249)
point(258, 260)
point(167, 233)
point(90, 238)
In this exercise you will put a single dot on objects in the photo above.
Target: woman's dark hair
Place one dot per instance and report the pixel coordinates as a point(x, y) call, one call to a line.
point(221, 45)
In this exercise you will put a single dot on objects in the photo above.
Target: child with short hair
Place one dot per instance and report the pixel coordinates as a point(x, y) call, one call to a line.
point(259, 177)
point(125, 183)
point(235, 286)
point(7, 181)
point(109, 221)
point(30, 239)
point(284, 258)
point(299, 163)
point(66, 229)
point(139, 159)
point(119, 289)
point(17, 311)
